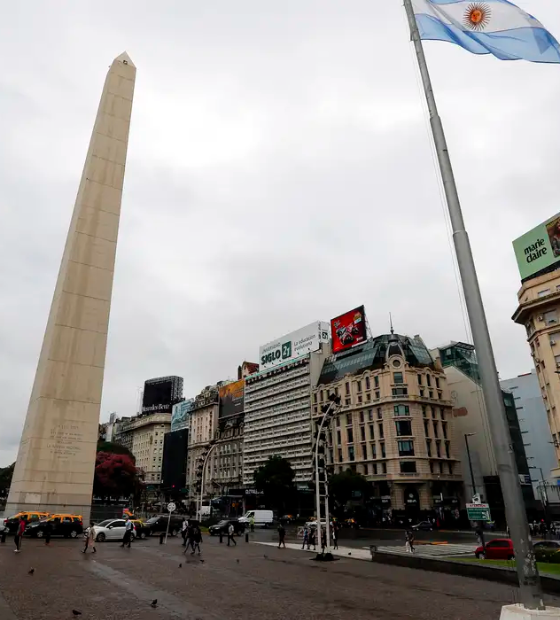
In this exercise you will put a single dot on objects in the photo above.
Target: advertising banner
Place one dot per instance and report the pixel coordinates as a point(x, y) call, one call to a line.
point(348, 329)
point(231, 398)
point(539, 248)
point(180, 416)
point(296, 344)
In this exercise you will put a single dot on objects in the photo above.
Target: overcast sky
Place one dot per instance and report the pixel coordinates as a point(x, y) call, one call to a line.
point(280, 171)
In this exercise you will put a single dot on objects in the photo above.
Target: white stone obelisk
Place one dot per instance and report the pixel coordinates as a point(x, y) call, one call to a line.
point(56, 458)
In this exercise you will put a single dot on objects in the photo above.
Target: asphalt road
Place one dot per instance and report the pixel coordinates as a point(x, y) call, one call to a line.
point(249, 581)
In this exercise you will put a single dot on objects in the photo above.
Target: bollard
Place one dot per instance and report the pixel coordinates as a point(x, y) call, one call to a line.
point(247, 537)
point(161, 537)
point(221, 536)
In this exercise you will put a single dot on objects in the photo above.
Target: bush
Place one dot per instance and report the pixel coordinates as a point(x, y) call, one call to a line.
point(551, 556)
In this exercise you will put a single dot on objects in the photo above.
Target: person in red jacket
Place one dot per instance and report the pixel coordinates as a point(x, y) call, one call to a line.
point(19, 534)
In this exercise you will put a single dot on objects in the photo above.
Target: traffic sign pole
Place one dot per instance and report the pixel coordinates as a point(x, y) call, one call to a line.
point(171, 507)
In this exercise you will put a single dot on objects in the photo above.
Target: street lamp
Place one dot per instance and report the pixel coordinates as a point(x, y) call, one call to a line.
point(467, 435)
point(202, 467)
point(544, 497)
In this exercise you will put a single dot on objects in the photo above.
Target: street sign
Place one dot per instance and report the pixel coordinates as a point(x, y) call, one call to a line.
point(478, 512)
point(171, 506)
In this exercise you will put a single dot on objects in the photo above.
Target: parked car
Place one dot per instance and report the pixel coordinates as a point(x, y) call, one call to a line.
point(110, 529)
point(141, 530)
point(546, 544)
point(497, 549)
point(287, 519)
point(424, 526)
point(67, 525)
point(223, 527)
point(263, 518)
point(29, 517)
point(158, 524)
point(313, 523)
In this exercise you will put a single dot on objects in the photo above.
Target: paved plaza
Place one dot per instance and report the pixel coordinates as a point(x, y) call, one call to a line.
point(250, 581)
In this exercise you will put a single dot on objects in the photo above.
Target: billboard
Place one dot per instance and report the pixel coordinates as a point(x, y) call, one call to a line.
point(539, 248)
point(174, 465)
point(161, 394)
point(296, 344)
point(348, 329)
point(180, 416)
point(231, 398)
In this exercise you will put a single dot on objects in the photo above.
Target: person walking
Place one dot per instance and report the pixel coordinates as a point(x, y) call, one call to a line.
point(90, 538)
point(184, 529)
point(252, 524)
point(189, 537)
point(323, 540)
point(127, 538)
point(281, 536)
point(335, 535)
point(48, 532)
point(305, 537)
point(312, 538)
point(19, 534)
point(230, 535)
point(196, 540)
point(409, 544)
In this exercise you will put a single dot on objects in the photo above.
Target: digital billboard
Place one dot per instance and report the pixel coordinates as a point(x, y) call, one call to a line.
point(161, 394)
point(180, 414)
point(296, 344)
point(539, 248)
point(348, 329)
point(232, 398)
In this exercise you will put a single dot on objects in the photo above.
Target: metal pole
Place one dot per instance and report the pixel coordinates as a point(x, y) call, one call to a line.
point(202, 480)
point(167, 530)
point(318, 485)
point(529, 583)
point(470, 464)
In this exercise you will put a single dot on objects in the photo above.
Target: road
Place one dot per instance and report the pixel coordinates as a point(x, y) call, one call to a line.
point(250, 581)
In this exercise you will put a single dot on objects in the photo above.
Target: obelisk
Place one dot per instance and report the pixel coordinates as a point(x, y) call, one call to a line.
point(55, 464)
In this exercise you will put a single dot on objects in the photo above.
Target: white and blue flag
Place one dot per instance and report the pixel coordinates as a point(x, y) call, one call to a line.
point(495, 27)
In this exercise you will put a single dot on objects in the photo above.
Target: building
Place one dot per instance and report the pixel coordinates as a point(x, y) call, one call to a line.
point(174, 466)
point(278, 402)
point(55, 465)
point(161, 394)
point(395, 425)
point(471, 424)
point(539, 313)
point(144, 435)
point(533, 423)
point(106, 429)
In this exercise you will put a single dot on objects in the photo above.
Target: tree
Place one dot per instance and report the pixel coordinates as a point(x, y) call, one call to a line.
point(115, 475)
point(276, 481)
point(6, 474)
point(345, 486)
point(114, 448)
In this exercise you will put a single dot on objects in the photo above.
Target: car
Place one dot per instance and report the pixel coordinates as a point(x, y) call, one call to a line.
point(287, 519)
point(110, 529)
point(158, 524)
point(496, 549)
point(424, 526)
point(223, 526)
point(262, 518)
point(29, 517)
point(546, 544)
point(67, 525)
point(313, 523)
point(141, 530)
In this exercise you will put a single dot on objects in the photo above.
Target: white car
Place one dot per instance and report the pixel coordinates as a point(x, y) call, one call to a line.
point(110, 529)
point(311, 524)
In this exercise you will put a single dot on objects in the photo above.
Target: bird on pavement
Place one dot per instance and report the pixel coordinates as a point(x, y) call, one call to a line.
point(349, 553)
point(237, 560)
point(265, 556)
point(75, 612)
point(31, 571)
point(154, 603)
point(202, 561)
point(180, 566)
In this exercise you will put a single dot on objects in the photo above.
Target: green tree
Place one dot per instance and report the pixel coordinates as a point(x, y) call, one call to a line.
point(275, 479)
point(345, 486)
point(6, 474)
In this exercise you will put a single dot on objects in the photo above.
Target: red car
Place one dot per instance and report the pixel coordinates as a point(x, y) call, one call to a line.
point(497, 549)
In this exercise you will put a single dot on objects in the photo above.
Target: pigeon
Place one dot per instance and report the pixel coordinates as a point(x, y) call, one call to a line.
point(75, 612)
point(31, 571)
point(349, 553)
point(237, 561)
point(154, 603)
point(265, 556)
point(202, 561)
point(180, 566)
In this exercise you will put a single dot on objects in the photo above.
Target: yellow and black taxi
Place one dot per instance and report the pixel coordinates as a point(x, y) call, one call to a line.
point(11, 523)
point(61, 524)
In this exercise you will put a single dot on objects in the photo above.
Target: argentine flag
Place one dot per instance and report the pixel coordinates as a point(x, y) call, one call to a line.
point(488, 27)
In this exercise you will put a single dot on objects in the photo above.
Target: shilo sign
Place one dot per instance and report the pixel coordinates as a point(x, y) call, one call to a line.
point(296, 344)
point(539, 248)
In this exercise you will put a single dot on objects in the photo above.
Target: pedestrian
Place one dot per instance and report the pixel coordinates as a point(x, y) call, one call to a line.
point(281, 536)
point(19, 534)
point(230, 535)
point(184, 529)
point(252, 524)
point(189, 536)
point(90, 538)
point(409, 544)
point(335, 536)
point(127, 538)
point(312, 538)
point(48, 532)
point(196, 539)
point(323, 540)
point(305, 537)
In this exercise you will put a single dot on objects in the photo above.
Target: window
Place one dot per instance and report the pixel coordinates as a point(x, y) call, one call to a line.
point(429, 446)
point(551, 318)
point(377, 395)
point(424, 412)
point(401, 410)
point(421, 393)
point(338, 438)
point(361, 417)
point(400, 391)
point(406, 448)
point(404, 428)
point(444, 429)
point(359, 384)
point(371, 431)
point(340, 455)
point(337, 421)
point(373, 451)
point(437, 382)
point(447, 449)
point(419, 379)
point(431, 467)
point(450, 467)
point(442, 413)
point(380, 427)
point(435, 428)
point(351, 455)
point(408, 467)
point(438, 449)
point(398, 377)
point(363, 433)
point(429, 380)
point(431, 394)
point(383, 454)
point(347, 389)
point(349, 435)
point(368, 397)
point(379, 413)
point(376, 381)
point(370, 414)
point(315, 397)
point(426, 428)
point(374, 468)
point(544, 292)
point(441, 467)
point(364, 452)
point(367, 383)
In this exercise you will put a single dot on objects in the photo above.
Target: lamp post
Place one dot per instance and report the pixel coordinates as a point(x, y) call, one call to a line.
point(205, 456)
point(467, 435)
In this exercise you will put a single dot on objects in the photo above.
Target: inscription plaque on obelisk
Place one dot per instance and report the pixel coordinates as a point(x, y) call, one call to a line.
point(56, 458)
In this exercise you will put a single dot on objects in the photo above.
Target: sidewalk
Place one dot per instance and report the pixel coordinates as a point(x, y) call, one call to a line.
point(342, 552)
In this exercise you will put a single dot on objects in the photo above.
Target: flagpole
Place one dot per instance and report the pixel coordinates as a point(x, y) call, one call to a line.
point(529, 582)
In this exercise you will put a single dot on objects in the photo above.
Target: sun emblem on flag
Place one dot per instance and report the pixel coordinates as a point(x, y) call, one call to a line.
point(477, 16)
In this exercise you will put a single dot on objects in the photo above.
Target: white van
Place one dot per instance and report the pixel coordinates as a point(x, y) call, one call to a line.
point(262, 518)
